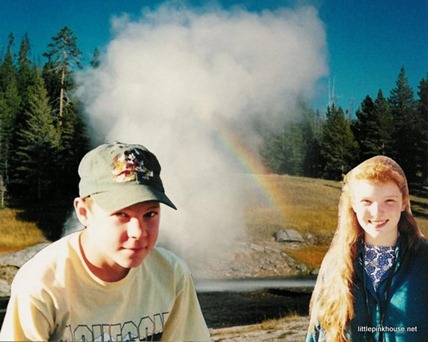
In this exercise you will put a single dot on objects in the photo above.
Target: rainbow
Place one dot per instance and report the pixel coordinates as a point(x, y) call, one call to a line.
point(249, 163)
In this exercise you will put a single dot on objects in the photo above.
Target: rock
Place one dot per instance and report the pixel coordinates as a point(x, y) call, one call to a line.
point(257, 248)
point(7, 273)
point(20, 258)
point(288, 235)
point(10, 264)
point(303, 268)
point(316, 271)
point(272, 250)
point(4, 288)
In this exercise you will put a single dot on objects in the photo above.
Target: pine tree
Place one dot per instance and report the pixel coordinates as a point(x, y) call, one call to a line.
point(367, 129)
point(73, 145)
point(289, 151)
point(422, 170)
point(10, 102)
point(26, 73)
point(63, 57)
point(26, 78)
point(7, 67)
point(406, 130)
point(38, 146)
point(9, 106)
point(312, 129)
point(386, 125)
point(338, 147)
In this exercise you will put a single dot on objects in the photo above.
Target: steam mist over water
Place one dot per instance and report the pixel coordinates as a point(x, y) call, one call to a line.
point(182, 82)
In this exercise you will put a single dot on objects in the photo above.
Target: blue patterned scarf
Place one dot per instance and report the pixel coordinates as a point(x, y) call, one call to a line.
point(377, 261)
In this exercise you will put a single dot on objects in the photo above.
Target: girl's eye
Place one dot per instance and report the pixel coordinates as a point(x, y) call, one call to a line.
point(390, 202)
point(366, 202)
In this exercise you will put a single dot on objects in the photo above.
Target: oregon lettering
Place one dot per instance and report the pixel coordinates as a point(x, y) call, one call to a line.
point(147, 329)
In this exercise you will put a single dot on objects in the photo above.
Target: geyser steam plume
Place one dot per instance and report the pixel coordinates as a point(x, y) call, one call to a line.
point(181, 82)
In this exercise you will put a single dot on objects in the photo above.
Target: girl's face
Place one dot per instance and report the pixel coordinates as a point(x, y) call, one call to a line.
point(114, 242)
point(378, 208)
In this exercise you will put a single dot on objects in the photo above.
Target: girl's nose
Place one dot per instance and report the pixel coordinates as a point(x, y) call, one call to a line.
point(376, 209)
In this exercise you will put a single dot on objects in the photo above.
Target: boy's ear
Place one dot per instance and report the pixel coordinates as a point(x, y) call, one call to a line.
point(82, 210)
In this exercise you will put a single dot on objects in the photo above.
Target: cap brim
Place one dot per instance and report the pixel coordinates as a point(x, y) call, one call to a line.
point(130, 195)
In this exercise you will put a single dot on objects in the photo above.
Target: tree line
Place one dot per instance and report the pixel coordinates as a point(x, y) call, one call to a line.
point(328, 145)
point(43, 136)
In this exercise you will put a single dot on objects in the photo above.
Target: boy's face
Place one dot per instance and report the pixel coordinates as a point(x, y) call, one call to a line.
point(114, 242)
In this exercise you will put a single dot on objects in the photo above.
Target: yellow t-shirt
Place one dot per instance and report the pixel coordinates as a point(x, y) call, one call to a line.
point(54, 296)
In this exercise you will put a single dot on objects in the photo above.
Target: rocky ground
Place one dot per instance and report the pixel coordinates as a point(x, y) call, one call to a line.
point(10, 263)
point(261, 259)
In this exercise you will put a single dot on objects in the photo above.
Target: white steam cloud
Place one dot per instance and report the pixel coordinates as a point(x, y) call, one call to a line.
point(178, 79)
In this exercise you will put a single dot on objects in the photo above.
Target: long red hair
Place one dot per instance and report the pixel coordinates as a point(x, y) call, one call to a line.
point(332, 303)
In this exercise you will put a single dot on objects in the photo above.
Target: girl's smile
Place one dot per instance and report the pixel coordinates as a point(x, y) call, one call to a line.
point(378, 208)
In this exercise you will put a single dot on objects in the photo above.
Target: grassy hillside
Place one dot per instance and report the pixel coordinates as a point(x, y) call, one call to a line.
point(310, 207)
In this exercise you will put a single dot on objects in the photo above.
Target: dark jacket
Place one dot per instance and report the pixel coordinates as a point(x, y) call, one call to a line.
point(398, 311)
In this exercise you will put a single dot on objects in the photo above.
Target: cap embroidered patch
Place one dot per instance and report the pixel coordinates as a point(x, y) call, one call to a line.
point(130, 167)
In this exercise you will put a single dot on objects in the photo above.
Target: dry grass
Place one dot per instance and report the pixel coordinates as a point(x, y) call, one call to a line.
point(304, 204)
point(310, 207)
point(272, 324)
point(289, 328)
point(311, 256)
point(420, 211)
point(17, 234)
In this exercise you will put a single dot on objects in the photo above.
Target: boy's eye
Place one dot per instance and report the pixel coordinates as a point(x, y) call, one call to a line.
point(150, 214)
point(120, 214)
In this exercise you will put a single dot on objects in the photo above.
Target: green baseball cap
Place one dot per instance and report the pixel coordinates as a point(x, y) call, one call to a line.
point(119, 175)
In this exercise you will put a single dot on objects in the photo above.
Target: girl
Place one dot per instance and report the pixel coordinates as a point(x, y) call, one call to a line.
point(373, 282)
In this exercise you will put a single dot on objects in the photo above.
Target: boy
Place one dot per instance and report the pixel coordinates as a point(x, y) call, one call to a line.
point(108, 282)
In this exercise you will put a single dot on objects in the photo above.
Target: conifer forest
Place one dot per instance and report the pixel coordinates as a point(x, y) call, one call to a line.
point(43, 135)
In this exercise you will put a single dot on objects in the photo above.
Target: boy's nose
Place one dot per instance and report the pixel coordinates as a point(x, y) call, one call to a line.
point(136, 229)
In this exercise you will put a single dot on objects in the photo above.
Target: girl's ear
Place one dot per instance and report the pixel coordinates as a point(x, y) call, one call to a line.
point(406, 203)
point(82, 210)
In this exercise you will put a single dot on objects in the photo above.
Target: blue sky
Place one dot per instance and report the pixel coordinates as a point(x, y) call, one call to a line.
point(368, 41)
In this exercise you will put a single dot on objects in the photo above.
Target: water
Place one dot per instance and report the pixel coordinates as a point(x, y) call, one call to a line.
point(234, 302)
point(246, 285)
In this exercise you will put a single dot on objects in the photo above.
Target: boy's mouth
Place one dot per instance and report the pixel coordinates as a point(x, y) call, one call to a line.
point(135, 249)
